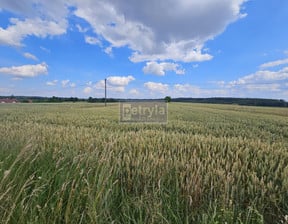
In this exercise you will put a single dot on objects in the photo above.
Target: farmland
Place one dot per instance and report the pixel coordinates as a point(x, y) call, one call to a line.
point(75, 163)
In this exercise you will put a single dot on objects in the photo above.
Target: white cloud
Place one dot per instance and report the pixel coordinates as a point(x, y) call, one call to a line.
point(120, 89)
point(271, 87)
point(72, 85)
point(156, 87)
point(100, 84)
point(30, 56)
point(274, 63)
point(120, 80)
point(89, 83)
point(154, 30)
point(109, 50)
point(161, 68)
point(220, 83)
point(187, 88)
point(176, 52)
point(68, 83)
point(54, 9)
point(4, 90)
point(15, 33)
point(25, 70)
point(262, 83)
point(17, 78)
point(168, 30)
point(65, 82)
point(45, 49)
point(81, 29)
point(38, 18)
point(262, 77)
point(115, 83)
point(52, 83)
point(92, 40)
point(87, 90)
point(134, 92)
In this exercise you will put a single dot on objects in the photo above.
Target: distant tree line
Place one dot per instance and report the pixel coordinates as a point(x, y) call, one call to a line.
point(55, 99)
point(238, 101)
point(213, 100)
point(101, 100)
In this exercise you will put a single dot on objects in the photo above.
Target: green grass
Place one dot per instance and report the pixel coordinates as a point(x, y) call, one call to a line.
point(75, 163)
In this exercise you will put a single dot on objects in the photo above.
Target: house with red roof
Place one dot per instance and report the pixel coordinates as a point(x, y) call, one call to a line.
point(7, 100)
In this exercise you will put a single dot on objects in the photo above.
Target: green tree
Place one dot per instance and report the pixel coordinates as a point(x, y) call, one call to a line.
point(167, 99)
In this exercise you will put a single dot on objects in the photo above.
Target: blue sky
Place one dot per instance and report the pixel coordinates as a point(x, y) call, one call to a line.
point(145, 49)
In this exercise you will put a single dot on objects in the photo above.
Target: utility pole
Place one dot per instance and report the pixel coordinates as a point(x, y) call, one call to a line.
point(105, 92)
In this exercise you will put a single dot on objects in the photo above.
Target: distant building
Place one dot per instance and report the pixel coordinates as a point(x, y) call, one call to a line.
point(7, 100)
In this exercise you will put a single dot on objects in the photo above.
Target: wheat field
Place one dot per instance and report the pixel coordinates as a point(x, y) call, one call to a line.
point(75, 163)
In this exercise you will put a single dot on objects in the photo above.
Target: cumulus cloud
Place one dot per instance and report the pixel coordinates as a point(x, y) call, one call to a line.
point(89, 83)
point(50, 10)
point(81, 29)
point(52, 83)
point(262, 77)
point(188, 90)
point(120, 80)
point(87, 90)
point(261, 83)
point(65, 83)
point(25, 70)
point(30, 56)
point(168, 30)
point(92, 40)
point(38, 18)
point(274, 63)
point(100, 84)
point(161, 68)
point(109, 50)
point(15, 33)
point(5, 90)
point(113, 88)
point(72, 85)
point(176, 52)
point(156, 87)
point(154, 30)
point(134, 92)
point(267, 87)
point(115, 83)
point(119, 89)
